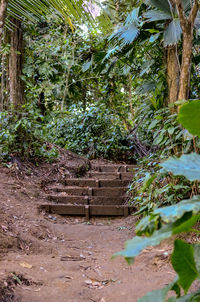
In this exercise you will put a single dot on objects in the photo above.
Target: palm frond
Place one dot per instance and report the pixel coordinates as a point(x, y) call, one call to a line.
point(125, 35)
point(147, 87)
point(172, 34)
point(33, 9)
point(27, 9)
point(146, 67)
point(111, 52)
point(133, 16)
point(156, 15)
point(162, 5)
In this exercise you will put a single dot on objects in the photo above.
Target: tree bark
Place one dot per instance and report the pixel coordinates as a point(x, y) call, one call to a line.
point(3, 76)
point(172, 73)
point(15, 65)
point(187, 25)
point(3, 10)
point(184, 85)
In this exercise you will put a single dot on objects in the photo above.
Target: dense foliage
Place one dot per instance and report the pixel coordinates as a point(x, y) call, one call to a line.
point(94, 133)
point(164, 222)
point(118, 80)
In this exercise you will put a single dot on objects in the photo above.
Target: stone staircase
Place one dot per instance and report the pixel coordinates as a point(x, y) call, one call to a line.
point(101, 192)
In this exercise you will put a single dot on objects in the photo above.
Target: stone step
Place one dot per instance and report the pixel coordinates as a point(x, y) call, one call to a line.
point(114, 168)
point(111, 175)
point(84, 200)
point(87, 210)
point(89, 182)
point(82, 191)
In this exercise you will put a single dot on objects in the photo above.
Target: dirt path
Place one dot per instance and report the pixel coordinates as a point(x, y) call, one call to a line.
point(65, 259)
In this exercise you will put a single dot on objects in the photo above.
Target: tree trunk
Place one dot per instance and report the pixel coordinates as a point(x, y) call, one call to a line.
point(3, 10)
point(172, 74)
point(187, 25)
point(3, 79)
point(15, 65)
point(184, 85)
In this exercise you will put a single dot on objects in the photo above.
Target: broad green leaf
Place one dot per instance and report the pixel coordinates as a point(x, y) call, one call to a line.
point(172, 213)
point(189, 115)
point(187, 165)
point(134, 246)
point(181, 216)
point(185, 223)
point(197, 256)
point(184, 264)
point(156, 295)
point(161, 294)
point(193, 297)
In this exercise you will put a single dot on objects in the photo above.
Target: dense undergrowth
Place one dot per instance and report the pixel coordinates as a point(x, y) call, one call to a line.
point(94, 133)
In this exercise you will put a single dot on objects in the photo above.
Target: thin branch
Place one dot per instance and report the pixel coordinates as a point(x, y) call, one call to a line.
point(181, 13)
point(194, 12)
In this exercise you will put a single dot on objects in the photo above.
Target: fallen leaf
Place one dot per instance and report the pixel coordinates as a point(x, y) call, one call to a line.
point(26, 265)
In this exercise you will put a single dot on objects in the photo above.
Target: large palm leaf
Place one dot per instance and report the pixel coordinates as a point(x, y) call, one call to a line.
point(127, 33)
point(159, 10)
point(72, 10)
point(32, 9)
point(165, 11)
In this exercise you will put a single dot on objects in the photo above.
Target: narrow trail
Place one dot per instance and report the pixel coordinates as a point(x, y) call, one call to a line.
point(66, 259)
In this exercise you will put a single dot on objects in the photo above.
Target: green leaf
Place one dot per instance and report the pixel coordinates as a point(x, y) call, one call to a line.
point(185, 223)
point(194, 297)
point(171, 213)
point(184, 264)
point(156, 295)
point(134, 246)
point(171, 130)
point(161, 294)
point(147, 182)
point(87, 66)
point(197, 256)
point(187, 165)
point(188, 117)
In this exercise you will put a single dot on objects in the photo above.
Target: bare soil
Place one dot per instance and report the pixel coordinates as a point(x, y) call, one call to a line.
point(45, 258)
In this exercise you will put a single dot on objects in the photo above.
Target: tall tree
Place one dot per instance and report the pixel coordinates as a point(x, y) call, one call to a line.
point(15, 64)
point(187, 25)
point(175, 19)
